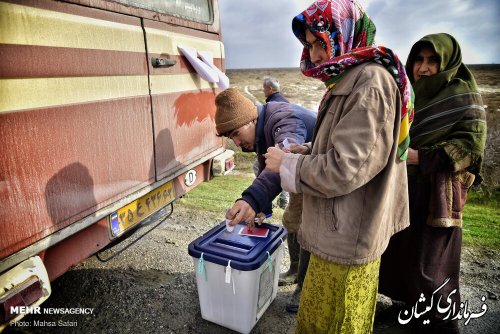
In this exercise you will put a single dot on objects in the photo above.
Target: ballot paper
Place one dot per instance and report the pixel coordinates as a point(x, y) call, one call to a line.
point(229, 228)
point(286, 144)
point(260, 232)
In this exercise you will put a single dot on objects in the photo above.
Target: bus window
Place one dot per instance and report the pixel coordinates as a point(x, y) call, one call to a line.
point(193, 10)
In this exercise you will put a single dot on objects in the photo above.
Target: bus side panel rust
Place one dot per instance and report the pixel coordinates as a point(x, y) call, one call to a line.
point(75, 116)
point(61, 164)
point(185, 130)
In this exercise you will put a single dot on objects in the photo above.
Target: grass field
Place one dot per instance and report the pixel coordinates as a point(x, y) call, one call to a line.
point(217, 195)
point(481, 227)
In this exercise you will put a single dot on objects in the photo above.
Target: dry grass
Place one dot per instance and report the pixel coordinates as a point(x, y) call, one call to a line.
point(488, 79)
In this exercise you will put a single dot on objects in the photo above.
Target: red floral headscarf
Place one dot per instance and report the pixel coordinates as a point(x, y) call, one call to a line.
point(348, 36)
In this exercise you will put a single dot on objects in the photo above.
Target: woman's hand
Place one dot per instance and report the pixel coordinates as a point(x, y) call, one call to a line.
point(412, 157)
point(299, 149)
point(273, 158)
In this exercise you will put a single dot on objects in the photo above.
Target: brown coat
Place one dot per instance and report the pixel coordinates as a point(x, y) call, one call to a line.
point(354, 185)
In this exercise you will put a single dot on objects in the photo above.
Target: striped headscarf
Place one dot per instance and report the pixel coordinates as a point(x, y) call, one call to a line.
point(348, 36)
point(449, 112)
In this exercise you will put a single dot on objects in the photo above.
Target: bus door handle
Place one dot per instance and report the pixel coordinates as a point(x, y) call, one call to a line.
point(163, 62)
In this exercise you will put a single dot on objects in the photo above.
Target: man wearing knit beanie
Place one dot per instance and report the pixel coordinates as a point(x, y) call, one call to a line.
point(234, 111)
point(255, 129)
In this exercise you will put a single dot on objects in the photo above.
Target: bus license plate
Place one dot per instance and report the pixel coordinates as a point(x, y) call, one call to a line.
point(141, 208)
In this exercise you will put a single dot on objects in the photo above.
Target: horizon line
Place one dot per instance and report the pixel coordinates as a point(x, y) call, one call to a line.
point(289, 68)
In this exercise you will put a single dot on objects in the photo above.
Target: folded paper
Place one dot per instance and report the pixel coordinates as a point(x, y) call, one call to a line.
point(203, 63)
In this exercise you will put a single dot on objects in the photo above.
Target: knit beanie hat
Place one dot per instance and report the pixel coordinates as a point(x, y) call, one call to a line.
point(233, 111)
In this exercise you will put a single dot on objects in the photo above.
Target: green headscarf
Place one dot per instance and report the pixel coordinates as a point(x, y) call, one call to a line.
point(453, 76)
point(449, 112)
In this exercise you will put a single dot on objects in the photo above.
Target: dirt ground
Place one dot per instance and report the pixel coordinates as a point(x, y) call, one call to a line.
point(151, 288)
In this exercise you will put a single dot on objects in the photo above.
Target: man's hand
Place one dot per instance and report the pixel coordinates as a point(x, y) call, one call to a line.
point(241, 212)
point(273, 159)
point(260, 218)
point(412, 157)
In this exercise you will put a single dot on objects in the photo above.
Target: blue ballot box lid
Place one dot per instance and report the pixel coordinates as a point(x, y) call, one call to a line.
point(245, 252)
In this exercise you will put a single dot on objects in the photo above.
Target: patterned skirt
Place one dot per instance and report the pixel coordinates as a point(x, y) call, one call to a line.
point(338, 298)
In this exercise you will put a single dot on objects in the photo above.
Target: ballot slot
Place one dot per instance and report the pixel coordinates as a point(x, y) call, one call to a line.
point(232, 245)
point(237, 275)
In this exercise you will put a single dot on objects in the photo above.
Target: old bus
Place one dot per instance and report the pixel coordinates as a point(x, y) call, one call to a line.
point(106, 116)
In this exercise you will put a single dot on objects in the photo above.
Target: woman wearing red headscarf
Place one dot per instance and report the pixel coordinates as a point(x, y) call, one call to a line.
point(353, 175)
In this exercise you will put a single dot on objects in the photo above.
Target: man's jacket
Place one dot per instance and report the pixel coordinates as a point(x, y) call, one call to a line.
point(276, 121)
point(276, 97)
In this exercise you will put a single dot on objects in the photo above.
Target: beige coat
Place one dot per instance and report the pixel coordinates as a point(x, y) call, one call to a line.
point(354, 185)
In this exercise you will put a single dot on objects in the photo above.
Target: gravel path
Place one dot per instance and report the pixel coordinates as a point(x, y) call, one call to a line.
point(151, 288)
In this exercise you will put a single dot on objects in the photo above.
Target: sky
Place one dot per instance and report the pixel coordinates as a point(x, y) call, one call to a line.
point(260, 35)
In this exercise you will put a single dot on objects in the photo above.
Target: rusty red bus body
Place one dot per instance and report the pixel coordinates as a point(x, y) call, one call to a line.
point(88, 124)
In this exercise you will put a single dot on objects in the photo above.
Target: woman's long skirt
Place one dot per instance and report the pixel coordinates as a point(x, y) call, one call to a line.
point(338, 298)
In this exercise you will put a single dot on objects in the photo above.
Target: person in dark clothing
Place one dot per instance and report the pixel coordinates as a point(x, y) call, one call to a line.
point(272, 90)
point(256, 128)
point(447, 141)
point(291, 218)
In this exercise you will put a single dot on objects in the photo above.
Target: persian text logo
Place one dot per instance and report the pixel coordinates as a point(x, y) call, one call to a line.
point(449, 310)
